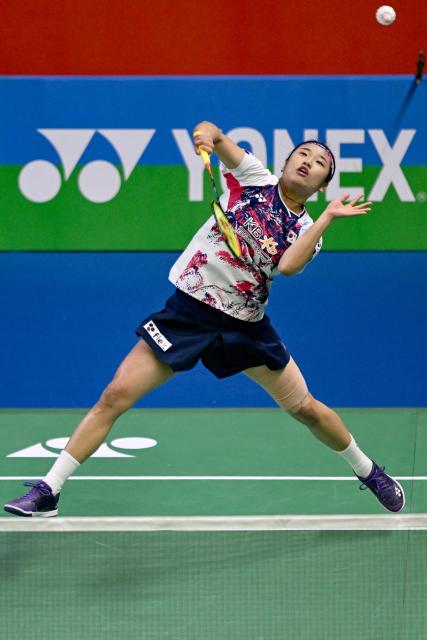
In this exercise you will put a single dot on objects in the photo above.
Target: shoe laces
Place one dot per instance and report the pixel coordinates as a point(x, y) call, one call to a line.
point(380, 482)
point(37, 487)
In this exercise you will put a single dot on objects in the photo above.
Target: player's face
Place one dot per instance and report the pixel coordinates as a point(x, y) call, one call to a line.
point(307, 168)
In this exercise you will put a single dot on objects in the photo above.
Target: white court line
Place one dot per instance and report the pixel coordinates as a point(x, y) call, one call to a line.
point(405, 522)
point(228, 478)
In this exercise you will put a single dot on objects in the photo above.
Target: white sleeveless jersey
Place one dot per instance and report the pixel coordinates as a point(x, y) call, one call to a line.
point(208, 271)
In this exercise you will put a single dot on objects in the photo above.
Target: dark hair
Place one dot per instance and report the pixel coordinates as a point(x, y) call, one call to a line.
point(328, 151)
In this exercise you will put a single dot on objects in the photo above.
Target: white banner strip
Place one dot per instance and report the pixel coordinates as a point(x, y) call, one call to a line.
point(409, 522)
point(227, 478)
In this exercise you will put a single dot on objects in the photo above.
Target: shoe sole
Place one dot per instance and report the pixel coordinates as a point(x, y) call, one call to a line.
point(30, 514)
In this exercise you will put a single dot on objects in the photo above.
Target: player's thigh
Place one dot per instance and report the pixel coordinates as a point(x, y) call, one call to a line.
point(140, 372)
point(286, 386)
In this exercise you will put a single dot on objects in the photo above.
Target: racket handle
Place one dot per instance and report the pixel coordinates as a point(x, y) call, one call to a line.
point(203, 154)
point(205, 157)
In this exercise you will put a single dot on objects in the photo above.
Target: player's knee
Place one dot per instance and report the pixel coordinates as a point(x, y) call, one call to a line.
point(307, 411)
point(115, 398)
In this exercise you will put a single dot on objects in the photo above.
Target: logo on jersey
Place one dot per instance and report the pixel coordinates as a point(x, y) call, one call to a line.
point(270, 245)
point(253, 228)
point(291, 237)
point(260, 197)
point(256, 232)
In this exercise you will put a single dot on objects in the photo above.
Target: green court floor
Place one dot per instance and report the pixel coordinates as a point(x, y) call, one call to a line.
point(275, 585)
point(213, 444)
point(214, 585)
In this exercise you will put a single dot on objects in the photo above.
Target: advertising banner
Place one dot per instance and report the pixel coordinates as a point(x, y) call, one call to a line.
point(108, 163)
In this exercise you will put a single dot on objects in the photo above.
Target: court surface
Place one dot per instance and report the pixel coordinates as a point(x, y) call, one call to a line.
point(96, 573)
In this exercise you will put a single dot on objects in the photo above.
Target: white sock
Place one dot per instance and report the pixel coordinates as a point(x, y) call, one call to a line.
point(60, 471)
point(361, 464)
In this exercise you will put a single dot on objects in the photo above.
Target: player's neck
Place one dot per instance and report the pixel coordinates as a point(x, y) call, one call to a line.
point(291, 200)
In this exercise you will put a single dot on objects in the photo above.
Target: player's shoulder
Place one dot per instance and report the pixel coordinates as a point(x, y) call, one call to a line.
point(250, 172)
point(248, 161)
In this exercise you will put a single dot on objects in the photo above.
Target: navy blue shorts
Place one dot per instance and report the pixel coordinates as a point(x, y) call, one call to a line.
point(188, 330)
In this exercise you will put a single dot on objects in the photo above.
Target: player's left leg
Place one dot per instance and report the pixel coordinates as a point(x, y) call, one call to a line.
point(289, 389)
point(140, 372)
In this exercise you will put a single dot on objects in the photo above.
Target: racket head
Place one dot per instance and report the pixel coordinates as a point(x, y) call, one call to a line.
point(226, 229)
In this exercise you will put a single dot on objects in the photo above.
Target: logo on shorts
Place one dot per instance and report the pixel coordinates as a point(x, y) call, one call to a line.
point(157, 336)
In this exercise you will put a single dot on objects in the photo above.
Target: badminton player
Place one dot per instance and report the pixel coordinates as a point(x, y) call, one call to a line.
point(217, 313)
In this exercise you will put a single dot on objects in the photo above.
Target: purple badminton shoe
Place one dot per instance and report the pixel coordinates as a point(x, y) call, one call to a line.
point(387, 490)
point(38, 502)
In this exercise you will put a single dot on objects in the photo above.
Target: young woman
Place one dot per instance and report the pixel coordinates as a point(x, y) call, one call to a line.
point(217, 313)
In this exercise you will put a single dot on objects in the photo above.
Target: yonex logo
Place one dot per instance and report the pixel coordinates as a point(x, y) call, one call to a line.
point(157, 336)
point(260, 197)
point(52, 447)
point(98, 181)
point(390, 156)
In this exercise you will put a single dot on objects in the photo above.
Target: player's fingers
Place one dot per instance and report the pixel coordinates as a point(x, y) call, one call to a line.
point(202, 139)
point(353, 202)
point(197, 136)
point(363, 204)
point(204, 147)
point(361, 212)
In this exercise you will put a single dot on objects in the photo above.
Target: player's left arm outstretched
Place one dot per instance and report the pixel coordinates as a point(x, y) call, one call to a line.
point(297, 255)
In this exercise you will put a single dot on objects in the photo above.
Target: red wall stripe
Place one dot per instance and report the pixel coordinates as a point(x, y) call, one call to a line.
point(159, 37)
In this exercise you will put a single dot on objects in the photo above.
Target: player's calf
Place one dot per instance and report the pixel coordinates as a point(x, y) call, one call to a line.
point(323, 422)
point(328, 427)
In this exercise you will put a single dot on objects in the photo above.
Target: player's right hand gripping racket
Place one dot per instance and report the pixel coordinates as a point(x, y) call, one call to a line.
point(222, 221)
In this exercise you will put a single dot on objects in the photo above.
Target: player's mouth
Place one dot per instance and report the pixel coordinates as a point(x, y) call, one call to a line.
point(302, 171)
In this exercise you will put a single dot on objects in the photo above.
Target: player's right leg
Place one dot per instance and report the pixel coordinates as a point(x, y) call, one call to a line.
point(139, 373)
point(288, 388)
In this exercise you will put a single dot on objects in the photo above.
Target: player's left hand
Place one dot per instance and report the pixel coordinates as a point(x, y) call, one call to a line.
point(339, 209)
